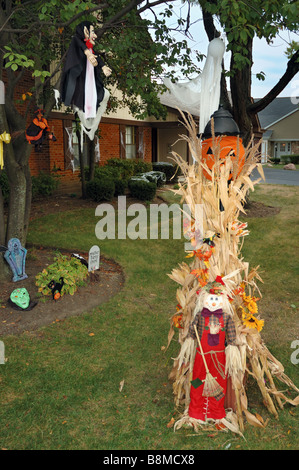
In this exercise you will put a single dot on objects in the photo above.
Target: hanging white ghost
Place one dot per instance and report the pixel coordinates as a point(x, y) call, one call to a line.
point(204, 90)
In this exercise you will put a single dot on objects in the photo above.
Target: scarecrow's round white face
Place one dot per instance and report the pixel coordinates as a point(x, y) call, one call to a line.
point(213, 302)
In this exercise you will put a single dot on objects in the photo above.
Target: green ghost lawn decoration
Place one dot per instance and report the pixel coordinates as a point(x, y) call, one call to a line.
point(20, 299)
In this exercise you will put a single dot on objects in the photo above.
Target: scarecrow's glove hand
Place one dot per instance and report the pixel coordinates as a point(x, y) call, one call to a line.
point(106, 71)
point(91, 57)
point(233, 362)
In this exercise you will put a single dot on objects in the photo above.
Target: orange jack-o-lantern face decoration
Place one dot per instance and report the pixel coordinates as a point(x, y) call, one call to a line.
point(229, 147)
point(226, 136)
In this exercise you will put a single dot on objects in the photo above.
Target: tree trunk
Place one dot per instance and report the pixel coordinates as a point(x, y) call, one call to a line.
point(16, 160)
point(4, 269)
point(91, 157)
point(81, 161)
point(240, 85)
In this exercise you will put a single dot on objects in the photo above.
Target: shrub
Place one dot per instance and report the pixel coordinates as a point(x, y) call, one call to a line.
point(129, 168)
point(140, 166)
point(285, 158)
point(106, 171)
point(103, 173)
point(141, 188)
point(44, 184)
point(69, 268)
point(120, 187)
point(100, 189)
point(172, 171)
point(275, 161)
point(294, 159)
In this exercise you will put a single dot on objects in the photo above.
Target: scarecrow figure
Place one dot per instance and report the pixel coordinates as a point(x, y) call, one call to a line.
point(223, 318)
point(38, 130)
point(81, 85)
point(214, 328)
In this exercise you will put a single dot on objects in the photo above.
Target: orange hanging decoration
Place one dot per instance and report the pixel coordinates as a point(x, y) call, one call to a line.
point(229, 146)
point(226, 132)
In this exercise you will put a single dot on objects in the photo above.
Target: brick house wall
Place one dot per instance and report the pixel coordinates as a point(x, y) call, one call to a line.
point(55, 155)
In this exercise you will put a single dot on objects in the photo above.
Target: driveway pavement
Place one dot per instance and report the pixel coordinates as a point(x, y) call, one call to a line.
point(273, 176)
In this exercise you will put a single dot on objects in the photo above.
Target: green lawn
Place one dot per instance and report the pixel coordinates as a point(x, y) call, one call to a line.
point(60, 386)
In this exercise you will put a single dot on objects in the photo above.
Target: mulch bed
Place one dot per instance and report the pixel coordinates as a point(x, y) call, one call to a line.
point(99, 288)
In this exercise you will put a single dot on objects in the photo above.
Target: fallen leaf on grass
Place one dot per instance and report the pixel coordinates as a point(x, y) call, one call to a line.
point(121, 385)
point(171, 423)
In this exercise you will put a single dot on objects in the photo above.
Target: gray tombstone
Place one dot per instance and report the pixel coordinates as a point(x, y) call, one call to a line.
point(2, 353)
point(16, 256)
point(94, 258)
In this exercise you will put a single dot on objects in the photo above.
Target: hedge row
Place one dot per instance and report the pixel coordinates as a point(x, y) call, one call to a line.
point(140, 178)
point(287, 159)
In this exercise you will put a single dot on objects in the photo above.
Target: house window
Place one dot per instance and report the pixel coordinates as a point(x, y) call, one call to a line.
point(130, 142)
point(282, 148)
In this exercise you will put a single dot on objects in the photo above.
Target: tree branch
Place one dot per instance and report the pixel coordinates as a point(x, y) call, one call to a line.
point(292, 69)
point(151, 5)
point(40, 24)
point(209, 26)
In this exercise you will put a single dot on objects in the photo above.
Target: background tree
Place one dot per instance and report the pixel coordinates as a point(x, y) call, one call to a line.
point(34, 34)
point(242, 21)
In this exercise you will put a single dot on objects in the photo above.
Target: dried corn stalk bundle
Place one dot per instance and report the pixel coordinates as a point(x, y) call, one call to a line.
point(218, 253)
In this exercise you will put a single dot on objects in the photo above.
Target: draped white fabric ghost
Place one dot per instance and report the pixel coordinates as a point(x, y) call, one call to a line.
point(204, 90)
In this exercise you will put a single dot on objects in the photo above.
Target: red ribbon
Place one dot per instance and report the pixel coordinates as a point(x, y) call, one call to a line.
point(219, 280)
point(89, 45)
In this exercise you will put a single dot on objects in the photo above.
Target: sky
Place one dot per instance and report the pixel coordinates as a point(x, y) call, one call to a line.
point(269, 59)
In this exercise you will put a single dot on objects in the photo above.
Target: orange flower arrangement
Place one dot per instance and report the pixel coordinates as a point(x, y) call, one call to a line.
point(202, 276)
point(176, 319)
point(249, 309)
point(202, 255)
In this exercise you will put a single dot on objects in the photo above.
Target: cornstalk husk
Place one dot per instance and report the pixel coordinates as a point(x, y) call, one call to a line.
point(227, 261)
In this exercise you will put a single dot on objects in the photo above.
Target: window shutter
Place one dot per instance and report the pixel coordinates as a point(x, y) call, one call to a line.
point(122, 141)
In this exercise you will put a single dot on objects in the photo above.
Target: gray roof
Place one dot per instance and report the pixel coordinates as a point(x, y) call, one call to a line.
point(280, 107)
